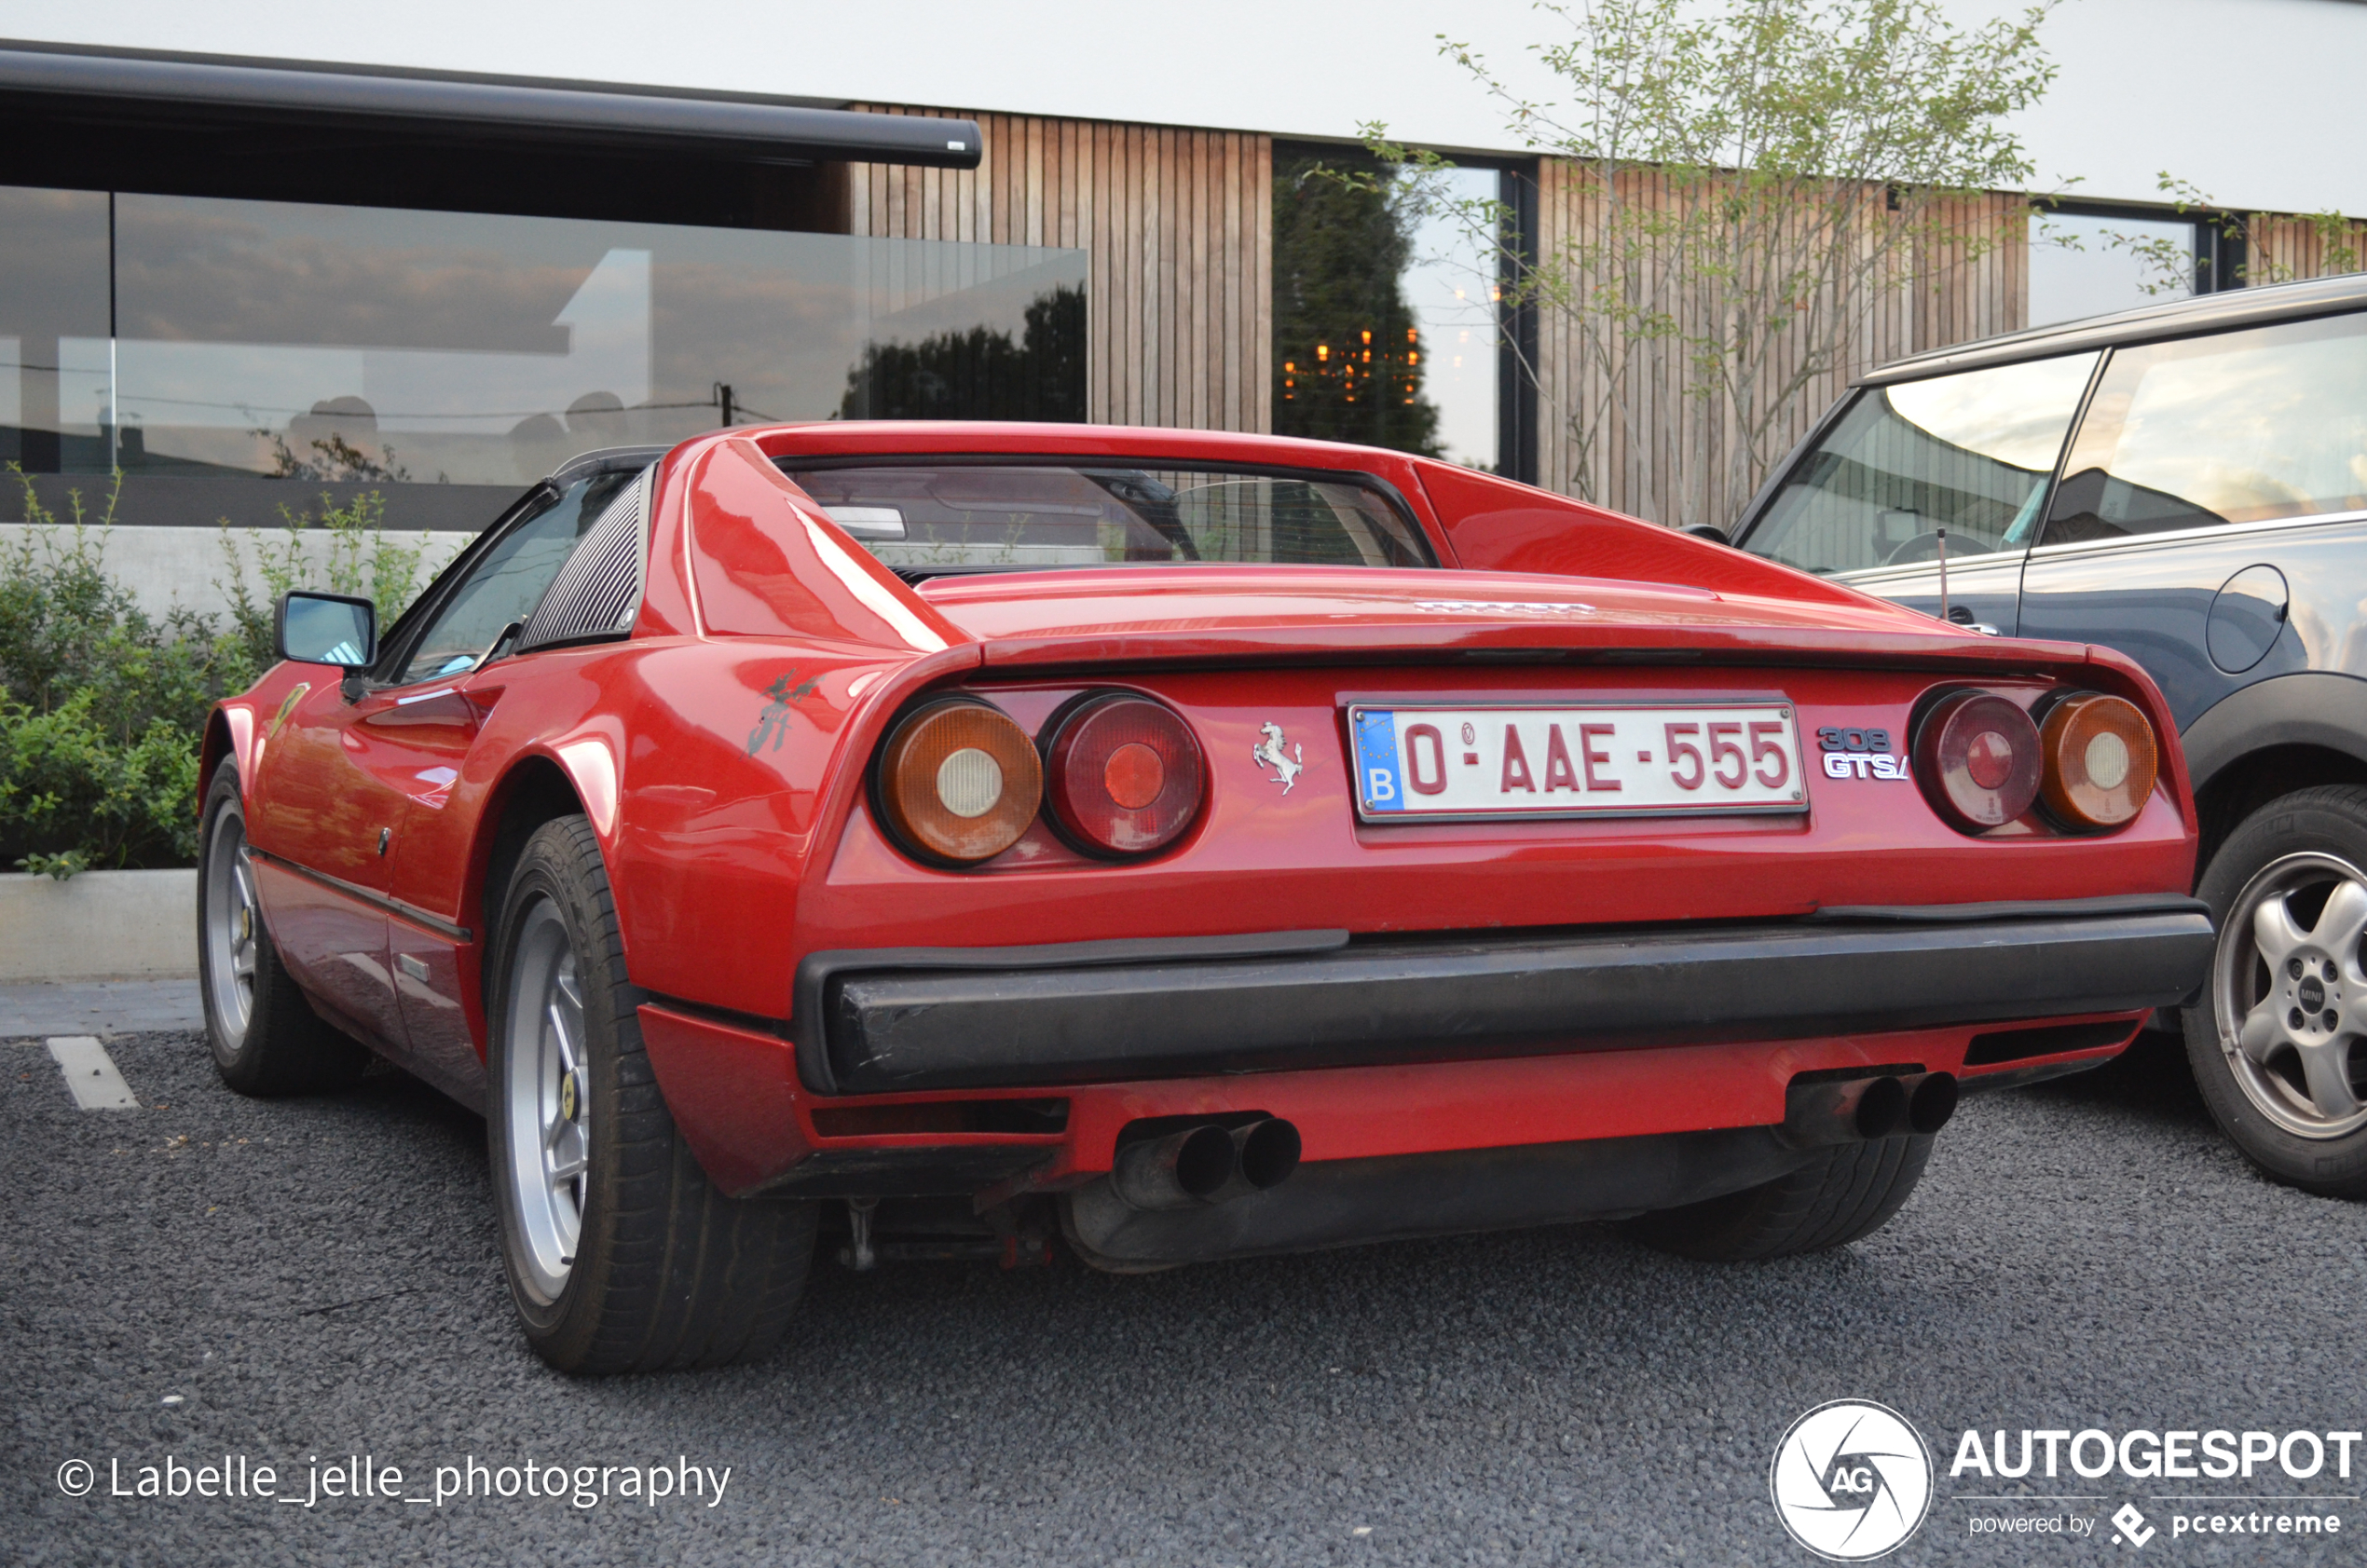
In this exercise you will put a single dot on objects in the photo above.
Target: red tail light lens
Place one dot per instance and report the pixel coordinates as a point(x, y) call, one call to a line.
point(1125, 775)
point(1976, 757)
point(2100, 760)
point(959, 781)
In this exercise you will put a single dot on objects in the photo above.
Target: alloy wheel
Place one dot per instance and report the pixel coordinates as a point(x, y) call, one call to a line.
point(546, 1100)
point(2289, 992)
point(233, 929)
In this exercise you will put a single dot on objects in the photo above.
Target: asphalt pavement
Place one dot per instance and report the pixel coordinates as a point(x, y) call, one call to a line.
point(207, 1279)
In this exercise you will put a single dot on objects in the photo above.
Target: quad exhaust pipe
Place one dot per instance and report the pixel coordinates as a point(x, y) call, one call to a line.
point(1824, 1111)
point(1206, 1164)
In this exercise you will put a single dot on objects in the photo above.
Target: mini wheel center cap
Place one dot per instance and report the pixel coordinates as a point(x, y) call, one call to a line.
point(2313, 994)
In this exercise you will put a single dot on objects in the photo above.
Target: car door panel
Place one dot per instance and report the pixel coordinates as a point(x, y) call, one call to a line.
point(434, 975)
point(336, 946)
point(436, 946)
point(2152, 599)
point(2196, 461)
point(321, 811)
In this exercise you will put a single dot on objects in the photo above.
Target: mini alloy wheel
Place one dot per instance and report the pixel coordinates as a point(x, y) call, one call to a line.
point(548, 1100)
point(2290, 994)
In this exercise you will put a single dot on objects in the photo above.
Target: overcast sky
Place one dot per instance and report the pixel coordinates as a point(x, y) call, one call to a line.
point(2253, 101)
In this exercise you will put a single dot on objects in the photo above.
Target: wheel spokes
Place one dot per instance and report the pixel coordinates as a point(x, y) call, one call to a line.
point(2262, 1031)
point(2344, 919)
point(547, 1073)
point(2325, 1065)
point(2274, 930)
point(568, 1159)
point(562, 1037)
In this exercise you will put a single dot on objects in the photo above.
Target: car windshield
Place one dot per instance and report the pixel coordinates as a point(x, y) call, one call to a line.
point(923, 518)
point(1970, 452)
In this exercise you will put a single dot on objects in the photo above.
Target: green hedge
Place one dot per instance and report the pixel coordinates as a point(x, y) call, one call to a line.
point(102, 706)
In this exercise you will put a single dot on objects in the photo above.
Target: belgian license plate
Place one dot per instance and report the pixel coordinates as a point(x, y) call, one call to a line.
point(1595, 759)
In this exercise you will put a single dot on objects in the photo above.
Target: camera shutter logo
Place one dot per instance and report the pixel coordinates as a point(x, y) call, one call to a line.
point(1851, 1480)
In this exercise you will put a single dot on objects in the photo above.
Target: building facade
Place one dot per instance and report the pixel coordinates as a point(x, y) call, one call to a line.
point(256, 288)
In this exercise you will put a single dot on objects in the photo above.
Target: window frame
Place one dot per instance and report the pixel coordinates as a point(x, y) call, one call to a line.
point(396, 647)
point(2044, 548)
point(1756, 512)
point(789, 466)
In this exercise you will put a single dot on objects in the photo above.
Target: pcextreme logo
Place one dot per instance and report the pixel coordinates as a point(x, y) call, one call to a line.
point(1852, 1481)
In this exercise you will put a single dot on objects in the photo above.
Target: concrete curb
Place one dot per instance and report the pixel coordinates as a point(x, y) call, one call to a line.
point(100, 925)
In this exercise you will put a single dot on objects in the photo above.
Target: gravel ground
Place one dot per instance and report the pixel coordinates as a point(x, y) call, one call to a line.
point(319, 1278)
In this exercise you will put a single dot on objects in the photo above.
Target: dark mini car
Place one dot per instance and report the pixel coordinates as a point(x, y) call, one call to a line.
point(2187, 483)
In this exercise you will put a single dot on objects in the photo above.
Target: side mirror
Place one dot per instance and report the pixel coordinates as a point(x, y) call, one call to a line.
point(327, 629)
point(1709, 531)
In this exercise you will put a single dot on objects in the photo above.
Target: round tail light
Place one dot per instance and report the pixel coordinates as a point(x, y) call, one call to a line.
point(2100, 760)
point(1976, 757)
point(1124, 775)
point(960, 781)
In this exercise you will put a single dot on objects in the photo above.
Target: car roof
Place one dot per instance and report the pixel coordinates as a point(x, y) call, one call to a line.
point(2236, 308)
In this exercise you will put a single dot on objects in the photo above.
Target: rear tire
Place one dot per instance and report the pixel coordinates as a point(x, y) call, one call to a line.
point(620, 1255)
point(2287, 891)
point(266, 1037)
point(1842, 1193)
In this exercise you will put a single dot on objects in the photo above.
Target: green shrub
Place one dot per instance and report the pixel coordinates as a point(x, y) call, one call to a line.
point(362, 560)
point(102, 706)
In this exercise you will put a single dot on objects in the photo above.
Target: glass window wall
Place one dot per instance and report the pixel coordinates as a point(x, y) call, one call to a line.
point(448, 358)
point(2082, 264)
point(1386, 324)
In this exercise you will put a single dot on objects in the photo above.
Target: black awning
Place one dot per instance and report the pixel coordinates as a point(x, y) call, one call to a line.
point(80, 84)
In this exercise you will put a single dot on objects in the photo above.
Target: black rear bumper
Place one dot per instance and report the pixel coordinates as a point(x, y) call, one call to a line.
point(869, 1022)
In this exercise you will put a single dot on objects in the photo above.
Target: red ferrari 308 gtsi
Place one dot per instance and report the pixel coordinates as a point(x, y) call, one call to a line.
point(962, 836)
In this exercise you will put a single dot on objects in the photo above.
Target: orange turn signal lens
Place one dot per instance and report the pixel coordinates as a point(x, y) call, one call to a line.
point(2100, 760)
point(960, 781)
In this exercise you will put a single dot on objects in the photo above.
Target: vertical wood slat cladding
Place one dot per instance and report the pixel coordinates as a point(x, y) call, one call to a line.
point(1682, 464)
point(1178, 224)
point(2297, 247)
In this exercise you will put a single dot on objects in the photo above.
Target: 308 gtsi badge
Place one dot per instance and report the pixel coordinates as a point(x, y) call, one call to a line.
point(970, 839)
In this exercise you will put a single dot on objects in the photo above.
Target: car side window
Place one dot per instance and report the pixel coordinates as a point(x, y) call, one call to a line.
point(2239, 427)
point(1970, 452)
point(508, 582)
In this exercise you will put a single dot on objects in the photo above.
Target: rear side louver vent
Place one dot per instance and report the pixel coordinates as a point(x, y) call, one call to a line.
point(599, 591)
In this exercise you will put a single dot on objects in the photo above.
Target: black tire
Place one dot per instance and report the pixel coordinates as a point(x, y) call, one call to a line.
point(283, 1047)
point(1842, 1193)
point(666, 1272)
point(2275, 843)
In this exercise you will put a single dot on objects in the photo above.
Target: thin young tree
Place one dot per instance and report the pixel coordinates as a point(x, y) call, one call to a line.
point(1734, 190)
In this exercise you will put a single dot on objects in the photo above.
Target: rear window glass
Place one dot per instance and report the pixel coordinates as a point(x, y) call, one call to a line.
point(1970, 452)
point(923, 518)
point(2239, 427)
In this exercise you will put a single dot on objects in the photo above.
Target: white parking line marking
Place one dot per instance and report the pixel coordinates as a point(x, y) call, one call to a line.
point(91, 1073)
